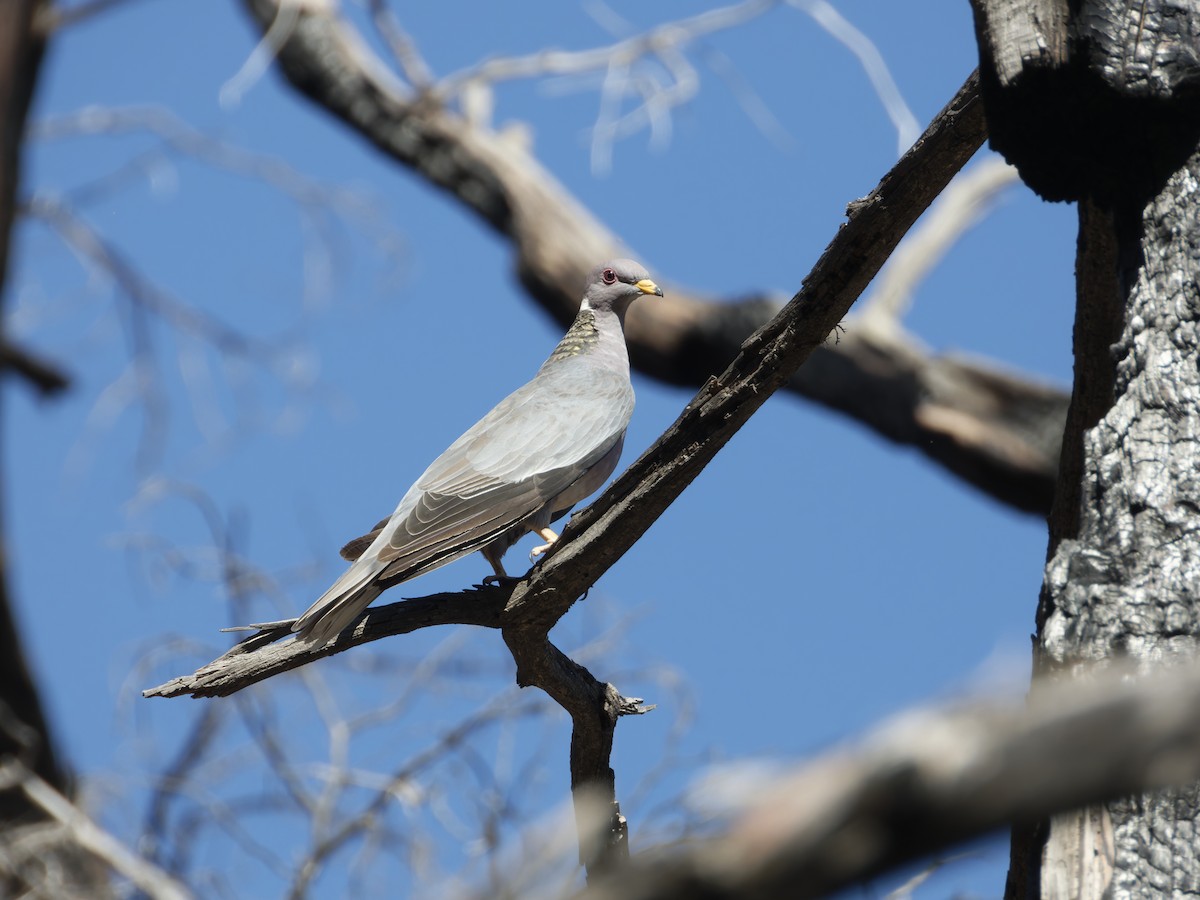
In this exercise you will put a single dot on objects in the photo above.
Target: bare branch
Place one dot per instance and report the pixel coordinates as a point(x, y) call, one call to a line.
point(964, 202)
point(931, 779)
point(670, 36)
point(191, 751)
point(62, 16)
point(25, 735)
point(91, 245)
point(277, 29)
point(827, 16)
point(330, 838)
point(597, 537)
point(258, 657)
point(998, 430)
point(687, 336)
point(403, 48)
point(47, 377)
point(86, 833)
point(145, 304)
point(316, 200)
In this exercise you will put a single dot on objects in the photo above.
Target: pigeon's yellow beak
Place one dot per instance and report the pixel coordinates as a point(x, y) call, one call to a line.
point(646, 286)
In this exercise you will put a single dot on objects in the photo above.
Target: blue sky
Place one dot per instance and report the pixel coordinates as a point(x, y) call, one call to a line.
point(813, 579)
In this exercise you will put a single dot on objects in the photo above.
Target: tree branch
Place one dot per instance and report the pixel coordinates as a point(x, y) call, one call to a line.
point(258, 657)
point(931, 779)
point(82, 831)
point(47, 377)
point(686, 337)
point(598, 536)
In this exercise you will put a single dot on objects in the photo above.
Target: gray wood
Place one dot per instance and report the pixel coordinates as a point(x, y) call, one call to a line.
point(930, 778)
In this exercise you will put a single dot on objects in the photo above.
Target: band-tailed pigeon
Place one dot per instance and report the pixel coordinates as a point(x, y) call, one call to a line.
point(541, 450)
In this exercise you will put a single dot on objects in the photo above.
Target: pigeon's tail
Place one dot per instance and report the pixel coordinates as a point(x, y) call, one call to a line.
point(338, 607)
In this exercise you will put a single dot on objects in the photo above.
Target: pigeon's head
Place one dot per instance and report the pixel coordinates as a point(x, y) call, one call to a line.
point(615, 284)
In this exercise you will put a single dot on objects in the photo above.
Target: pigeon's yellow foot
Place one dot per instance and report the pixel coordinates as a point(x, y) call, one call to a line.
point(549, 537)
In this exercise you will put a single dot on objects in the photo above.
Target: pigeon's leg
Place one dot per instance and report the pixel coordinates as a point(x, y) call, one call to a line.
point(549, 537)
point(492, 555)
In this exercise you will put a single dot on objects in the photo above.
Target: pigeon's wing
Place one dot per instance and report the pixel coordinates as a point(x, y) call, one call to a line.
point(528, 450)
point(353, 549)
point(531, 447)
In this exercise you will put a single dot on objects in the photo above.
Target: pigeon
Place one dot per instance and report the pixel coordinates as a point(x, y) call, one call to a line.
point(540, 451)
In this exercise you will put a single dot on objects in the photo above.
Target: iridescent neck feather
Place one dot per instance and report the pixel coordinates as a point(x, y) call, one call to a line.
point(580, 337)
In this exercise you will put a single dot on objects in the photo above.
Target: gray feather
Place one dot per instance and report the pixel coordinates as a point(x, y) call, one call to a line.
point(539, 451)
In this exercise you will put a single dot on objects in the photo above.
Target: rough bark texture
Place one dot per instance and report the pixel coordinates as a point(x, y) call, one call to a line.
point(687, 336)
point(1099, 101)
point(1129, 583)
point(1093, 98)
point(1099, 316)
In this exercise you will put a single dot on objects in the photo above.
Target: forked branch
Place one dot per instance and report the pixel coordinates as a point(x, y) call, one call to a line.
point(598, 536)
point(992, 432)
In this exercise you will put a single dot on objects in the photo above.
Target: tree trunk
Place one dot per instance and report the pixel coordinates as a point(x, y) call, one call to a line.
point(1129, 583)
point(38, 856)
point(23, 730)
point(1095, 101)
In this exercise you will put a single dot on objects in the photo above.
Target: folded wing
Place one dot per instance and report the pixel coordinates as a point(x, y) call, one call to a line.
point(529, 449)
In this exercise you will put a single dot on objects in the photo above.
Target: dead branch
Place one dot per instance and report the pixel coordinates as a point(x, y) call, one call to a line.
point(965, 201)
point(598, 536)
point(46, 377)
point(258, 657)
point(827, 16)
point(146, 303)
point(945, 402)
point(931, 779)
point(81, 830)
point(316, 200)
point(686, 337)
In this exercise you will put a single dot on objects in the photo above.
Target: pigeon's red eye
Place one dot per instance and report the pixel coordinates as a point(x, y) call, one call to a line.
point(609, 276)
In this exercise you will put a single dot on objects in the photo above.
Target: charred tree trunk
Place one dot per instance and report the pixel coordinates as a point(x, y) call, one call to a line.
point(1099, 102)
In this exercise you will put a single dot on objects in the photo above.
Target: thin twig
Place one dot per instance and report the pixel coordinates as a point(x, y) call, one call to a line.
point(624, 52)
point(404, 49)
point(84, 831)
point(965, 201)
point(597, 536)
